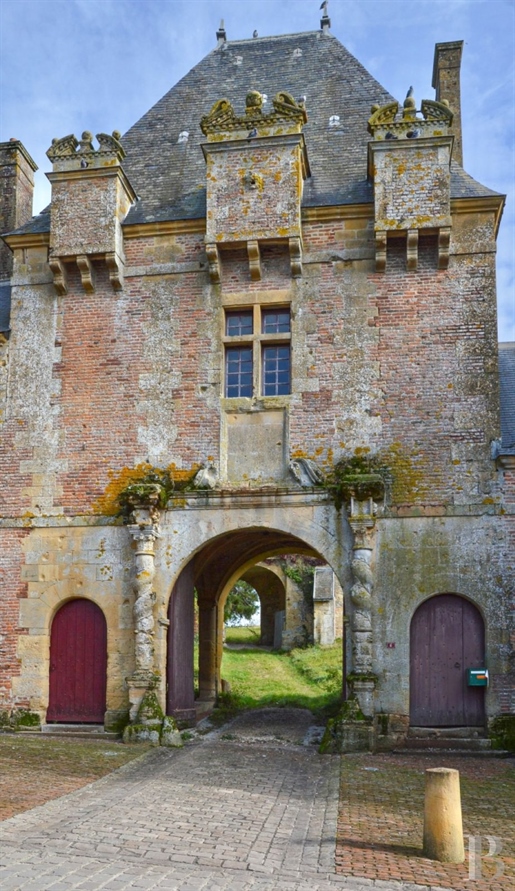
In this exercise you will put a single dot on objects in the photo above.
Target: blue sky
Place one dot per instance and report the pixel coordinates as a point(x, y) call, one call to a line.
point(74, 65)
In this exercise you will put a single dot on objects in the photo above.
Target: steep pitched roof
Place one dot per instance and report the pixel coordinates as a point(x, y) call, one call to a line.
point(169, 177)
point(507, 382)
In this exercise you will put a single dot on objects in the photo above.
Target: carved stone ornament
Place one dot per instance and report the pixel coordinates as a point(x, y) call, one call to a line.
point(435, 119)
point(306, 472)
point(144, 532)
point(206, 478)
point(70, 148)
point(223, 119)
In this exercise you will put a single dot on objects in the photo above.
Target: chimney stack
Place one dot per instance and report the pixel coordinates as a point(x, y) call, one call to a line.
point(17, 188)
point(446, 82)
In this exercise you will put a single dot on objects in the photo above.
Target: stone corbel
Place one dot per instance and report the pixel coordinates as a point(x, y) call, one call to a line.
point(254, 255)
point(58, 270)
point(381, 240)
point(86, 273)
point(412, 249)
point(115, 269)
point(444, 239)
point(295, 246)
point(213, 258)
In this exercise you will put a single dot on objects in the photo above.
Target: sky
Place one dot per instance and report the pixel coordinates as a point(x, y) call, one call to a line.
point(72, 65)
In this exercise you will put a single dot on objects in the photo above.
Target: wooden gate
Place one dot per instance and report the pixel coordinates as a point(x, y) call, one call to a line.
point(78, 664)
point(447, 637)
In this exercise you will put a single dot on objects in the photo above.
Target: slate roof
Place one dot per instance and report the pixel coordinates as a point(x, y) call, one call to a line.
point(169, 177)
point(507, 381)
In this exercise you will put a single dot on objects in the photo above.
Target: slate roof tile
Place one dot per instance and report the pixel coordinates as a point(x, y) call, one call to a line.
point(169, 177)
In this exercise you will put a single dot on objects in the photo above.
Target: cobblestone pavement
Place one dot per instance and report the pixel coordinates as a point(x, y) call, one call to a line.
point(380, 820)
point(245, 809)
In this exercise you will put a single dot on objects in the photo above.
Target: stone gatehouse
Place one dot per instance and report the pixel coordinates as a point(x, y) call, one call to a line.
point(261, 322)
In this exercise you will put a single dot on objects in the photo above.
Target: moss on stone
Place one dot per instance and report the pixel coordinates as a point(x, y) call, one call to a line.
point(502, 732)
point(349, 731)
point(25, 718)
point(149, 733)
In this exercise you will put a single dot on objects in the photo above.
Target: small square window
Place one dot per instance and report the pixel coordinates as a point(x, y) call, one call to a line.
point(276, 321)
point(238, 323)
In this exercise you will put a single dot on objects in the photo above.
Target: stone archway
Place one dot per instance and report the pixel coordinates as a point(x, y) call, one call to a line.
point(272, 596)
point(212, 571)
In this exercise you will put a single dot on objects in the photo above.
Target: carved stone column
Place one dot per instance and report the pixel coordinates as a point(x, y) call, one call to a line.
point(362, 510)
point(144, 532)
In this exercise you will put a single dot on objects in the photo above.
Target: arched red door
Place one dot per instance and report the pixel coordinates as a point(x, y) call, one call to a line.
point(78, 664)
point(447, 637)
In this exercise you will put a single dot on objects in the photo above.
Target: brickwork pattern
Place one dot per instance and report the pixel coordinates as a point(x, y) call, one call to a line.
point(380, 822)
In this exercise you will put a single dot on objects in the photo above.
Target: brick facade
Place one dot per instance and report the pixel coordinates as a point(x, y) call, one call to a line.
point(115, 369)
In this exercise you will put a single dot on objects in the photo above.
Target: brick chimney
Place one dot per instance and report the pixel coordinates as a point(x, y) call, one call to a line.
point(446, 82)
point(16, 191)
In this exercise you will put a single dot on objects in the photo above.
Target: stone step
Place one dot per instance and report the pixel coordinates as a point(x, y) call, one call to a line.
point(448, 742)
point(78, 731)
point(447, 732)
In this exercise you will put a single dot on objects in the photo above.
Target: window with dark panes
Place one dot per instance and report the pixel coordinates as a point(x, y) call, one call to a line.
point(276, 370)
point(238, 323)
point(238, 371)
point(257, 352)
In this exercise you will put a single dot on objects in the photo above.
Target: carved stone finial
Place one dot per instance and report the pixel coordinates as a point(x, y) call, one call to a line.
point(410, 106)
point(253, 102)
point(111, 144)
point(86, 144)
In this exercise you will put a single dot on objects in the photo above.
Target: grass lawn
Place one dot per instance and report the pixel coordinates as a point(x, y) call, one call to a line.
point(243, 634)
point(308, 678)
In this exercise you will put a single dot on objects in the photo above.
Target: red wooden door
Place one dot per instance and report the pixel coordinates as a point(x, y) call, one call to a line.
point(78, 664)
point(447, 637)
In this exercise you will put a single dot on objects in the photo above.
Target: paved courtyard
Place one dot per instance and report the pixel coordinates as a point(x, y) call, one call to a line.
point(251, 806)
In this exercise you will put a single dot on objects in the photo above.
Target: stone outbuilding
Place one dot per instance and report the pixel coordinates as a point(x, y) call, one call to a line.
point(261, 322)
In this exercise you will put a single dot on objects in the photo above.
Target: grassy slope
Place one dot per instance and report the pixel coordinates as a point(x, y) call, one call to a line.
point(309, 678)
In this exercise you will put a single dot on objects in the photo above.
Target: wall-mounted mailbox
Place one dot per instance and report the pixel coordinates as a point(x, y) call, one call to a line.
point(477, 677)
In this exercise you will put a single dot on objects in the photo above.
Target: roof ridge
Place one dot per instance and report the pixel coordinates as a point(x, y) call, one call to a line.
point(317, 31)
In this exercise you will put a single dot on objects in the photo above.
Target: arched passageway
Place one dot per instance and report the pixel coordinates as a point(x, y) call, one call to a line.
point(272, 597)
point(212, 571)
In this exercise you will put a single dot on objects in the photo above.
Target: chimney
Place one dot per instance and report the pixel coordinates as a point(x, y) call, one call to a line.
point(446, 82)
point(16, 191)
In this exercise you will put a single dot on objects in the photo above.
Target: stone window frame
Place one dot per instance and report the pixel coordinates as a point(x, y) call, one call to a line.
point(258, 341)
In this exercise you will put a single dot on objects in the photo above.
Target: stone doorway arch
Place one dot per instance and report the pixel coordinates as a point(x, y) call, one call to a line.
point(212, 571)
point(447, 636)
point(271, 590)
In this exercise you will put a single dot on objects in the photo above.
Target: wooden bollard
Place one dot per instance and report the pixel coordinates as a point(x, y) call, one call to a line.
point(443, 827)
